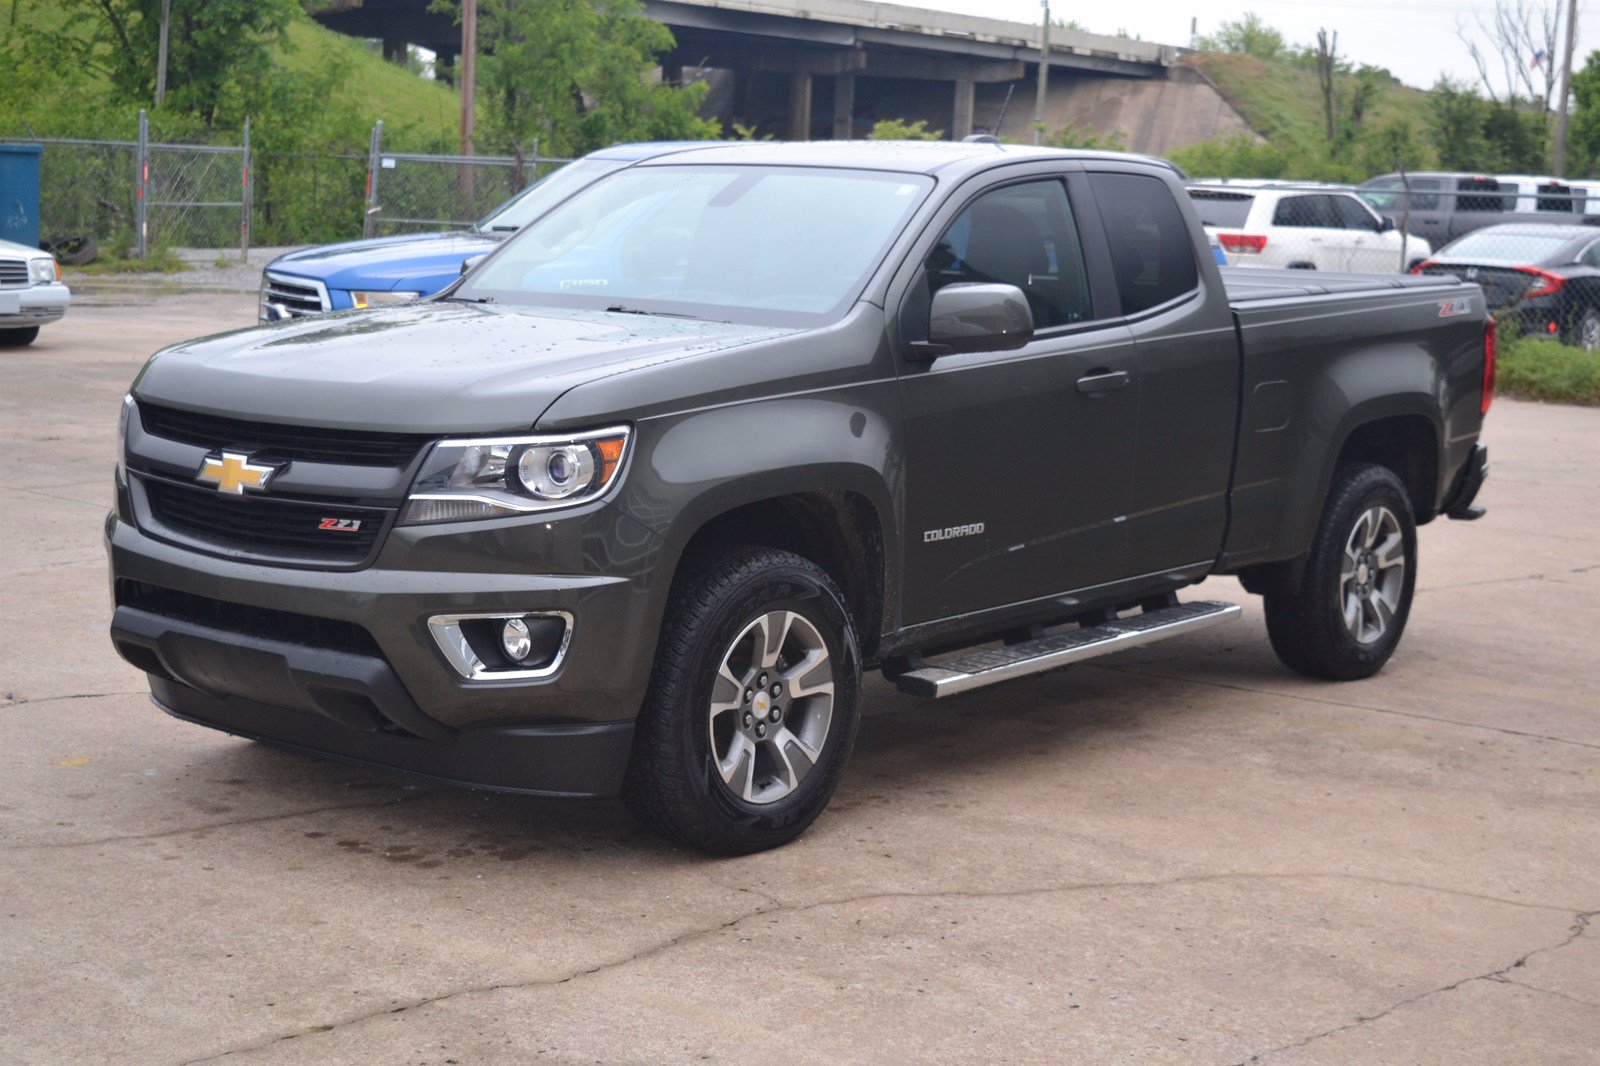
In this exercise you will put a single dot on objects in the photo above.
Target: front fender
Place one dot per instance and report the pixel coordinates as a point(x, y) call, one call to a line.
point(690, 468)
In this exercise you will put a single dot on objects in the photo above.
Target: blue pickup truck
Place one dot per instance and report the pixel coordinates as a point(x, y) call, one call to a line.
point(388, 270)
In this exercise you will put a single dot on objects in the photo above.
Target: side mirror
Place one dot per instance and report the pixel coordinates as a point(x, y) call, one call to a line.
point(976, 317)
point(471, 261)
point(1385, 224)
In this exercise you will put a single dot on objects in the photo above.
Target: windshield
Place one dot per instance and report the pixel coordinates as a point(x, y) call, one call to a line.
point(1485, 245)
point(759, 244)
point(545, 193)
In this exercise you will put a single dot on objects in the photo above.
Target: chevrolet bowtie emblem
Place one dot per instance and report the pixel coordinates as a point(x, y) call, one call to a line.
point(234, 473)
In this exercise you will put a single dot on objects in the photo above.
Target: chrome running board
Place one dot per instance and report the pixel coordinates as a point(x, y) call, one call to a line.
point(977, 669)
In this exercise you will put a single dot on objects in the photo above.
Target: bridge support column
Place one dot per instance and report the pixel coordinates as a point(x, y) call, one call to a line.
point(844, 106)
point(800, 106)
point(966, 98)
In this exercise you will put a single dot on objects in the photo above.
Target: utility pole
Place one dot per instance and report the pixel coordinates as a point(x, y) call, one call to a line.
point(161, 53)
point(1044, 74)
point(469, 71)
point(1560, 160)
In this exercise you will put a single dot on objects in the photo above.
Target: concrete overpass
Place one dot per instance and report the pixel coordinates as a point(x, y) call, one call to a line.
point(803, 69)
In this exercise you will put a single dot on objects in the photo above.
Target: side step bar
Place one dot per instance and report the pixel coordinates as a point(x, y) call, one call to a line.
point(982, 668)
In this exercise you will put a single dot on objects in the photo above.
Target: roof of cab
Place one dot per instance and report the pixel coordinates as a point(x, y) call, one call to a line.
point(918, 157)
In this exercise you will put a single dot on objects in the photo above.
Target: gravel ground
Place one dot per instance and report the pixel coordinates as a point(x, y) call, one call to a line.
point(1178, 854)
point(210, 270)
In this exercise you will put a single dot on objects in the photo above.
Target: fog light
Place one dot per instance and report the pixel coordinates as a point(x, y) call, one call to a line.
point(515, 640)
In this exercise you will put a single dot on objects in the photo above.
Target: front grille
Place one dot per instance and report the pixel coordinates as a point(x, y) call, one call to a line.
point(262, 526)
point(298, 298)
point(307, 444)
point(329, 633)
point(13, 272)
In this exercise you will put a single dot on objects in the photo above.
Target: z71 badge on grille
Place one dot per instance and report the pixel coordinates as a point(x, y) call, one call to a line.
point(233, 473)
point(341, 525)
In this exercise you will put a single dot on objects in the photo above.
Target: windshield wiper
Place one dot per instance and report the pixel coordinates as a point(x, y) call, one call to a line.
point(619, 309)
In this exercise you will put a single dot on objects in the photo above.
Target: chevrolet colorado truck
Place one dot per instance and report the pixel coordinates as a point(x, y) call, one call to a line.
point(632, 506)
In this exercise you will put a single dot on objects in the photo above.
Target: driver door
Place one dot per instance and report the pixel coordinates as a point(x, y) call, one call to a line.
point(1018, 465)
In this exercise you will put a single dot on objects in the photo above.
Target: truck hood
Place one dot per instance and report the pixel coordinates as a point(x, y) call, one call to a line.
point(386, 262)
point(431, 367)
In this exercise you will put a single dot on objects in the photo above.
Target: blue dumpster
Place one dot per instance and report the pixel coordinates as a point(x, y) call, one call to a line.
point(19, 193)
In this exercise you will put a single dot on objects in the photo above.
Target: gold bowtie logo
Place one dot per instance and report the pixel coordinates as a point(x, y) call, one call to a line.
point(234, 473)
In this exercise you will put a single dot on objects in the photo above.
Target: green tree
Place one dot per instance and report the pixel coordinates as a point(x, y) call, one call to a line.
point(1248, 36)
point(212, 47)
point(1457, 114)
point(575, 75)
point(1583, 134)
point(896, 129)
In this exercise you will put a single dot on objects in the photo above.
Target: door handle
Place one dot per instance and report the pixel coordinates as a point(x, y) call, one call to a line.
point(1101, 381)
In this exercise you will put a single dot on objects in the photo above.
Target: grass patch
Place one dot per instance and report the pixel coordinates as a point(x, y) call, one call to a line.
point(159, 261)
point(1547, 370)
point(1282, 101)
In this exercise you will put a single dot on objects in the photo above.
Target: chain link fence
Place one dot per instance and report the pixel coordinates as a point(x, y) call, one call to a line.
point(408, 193)
point(1531, 243)
point(135, 196)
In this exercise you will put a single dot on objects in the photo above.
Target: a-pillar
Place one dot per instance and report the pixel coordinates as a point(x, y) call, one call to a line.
point(844, 106)
point(800, 107)
point(966, 96)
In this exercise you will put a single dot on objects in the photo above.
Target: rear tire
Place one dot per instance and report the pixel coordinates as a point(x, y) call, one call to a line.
point(753, 705)
point(18, 338)
point(1587, 335)
point(1351, 609)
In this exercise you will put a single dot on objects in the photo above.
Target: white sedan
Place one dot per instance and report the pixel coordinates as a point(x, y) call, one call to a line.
point(31, 293)
point(1305, 227)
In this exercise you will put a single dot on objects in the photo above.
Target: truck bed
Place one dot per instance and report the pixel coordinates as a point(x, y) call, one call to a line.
point(1251, 285)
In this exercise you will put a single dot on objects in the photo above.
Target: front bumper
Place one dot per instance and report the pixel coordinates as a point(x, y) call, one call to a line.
point(343, 662)
point(34, 306)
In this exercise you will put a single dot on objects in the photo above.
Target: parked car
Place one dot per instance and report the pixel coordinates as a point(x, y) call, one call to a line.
point(32, 293)
point(638, 519)
point(1546, 277)
point(398, 269)
point(1444, 206)
point(1303, 227)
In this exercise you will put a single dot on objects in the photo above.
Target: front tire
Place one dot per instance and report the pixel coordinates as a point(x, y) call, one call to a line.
point(18, 338)
point(1351, 610)
point(753, 705)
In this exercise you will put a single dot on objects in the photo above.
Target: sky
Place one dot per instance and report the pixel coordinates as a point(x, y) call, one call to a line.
point(1415, 39)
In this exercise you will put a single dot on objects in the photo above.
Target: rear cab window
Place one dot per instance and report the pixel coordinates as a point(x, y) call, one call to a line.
point(1485, 195)
point(1152, 249)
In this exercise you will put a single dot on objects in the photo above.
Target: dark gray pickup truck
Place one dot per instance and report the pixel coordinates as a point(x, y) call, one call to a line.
point(633, 505)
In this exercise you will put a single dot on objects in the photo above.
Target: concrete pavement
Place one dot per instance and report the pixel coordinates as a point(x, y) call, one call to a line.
point(1180, 854)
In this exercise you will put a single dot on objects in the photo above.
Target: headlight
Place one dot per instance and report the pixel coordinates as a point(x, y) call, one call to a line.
point(489, 478)
point(122, 437)
point(45, 270)
point(373, 299)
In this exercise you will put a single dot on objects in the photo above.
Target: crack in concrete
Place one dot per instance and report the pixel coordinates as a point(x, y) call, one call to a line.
point(1550, 992)
point(1580, 924)
point(284, 816)
point(1543, 576)
point(69, 696)
point(788, 909)
point(1339, 703)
